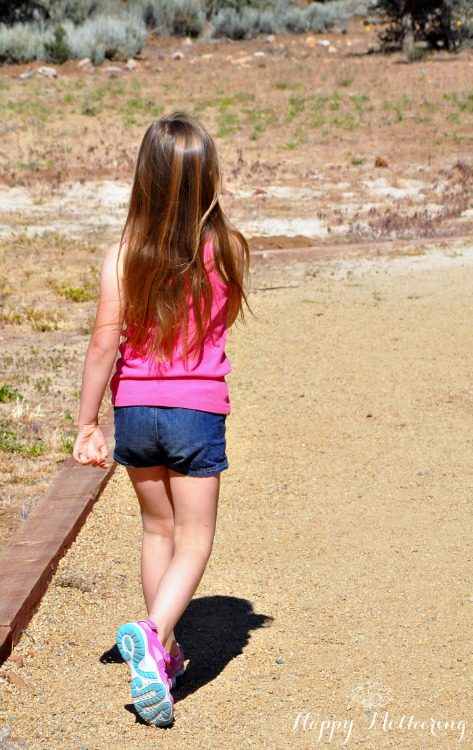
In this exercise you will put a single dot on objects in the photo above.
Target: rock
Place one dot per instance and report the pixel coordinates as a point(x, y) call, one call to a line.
point(188, 41)
point(28, 74)
point(82, 63)
point(270, 39)
point(131, 64)
point(324, 42)
point(279, 661)
point(259, 54)
point(18, 660)
point(311, 41)
point(177, 56)
point(112, 69)
point(332, 49)
point(2, 674)
point(47, 72)
point(13, 679)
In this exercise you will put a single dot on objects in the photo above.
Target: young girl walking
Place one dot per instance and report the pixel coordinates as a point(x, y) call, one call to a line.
point(170, 289)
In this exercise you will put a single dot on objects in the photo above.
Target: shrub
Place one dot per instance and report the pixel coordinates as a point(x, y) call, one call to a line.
point(21, 43)
point(57, 50)
point(115, 38)
point(283, 16)
point(178, 17)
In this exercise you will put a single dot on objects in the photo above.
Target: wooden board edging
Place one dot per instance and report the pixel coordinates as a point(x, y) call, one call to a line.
point(30, 558)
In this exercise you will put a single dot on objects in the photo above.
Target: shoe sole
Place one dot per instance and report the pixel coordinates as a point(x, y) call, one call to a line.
point(178, 674)
point(148, 692)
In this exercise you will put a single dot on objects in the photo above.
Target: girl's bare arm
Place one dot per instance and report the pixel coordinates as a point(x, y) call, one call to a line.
point(90, 446)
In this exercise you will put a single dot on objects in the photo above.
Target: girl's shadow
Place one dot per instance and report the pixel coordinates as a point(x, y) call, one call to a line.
point(212, 631)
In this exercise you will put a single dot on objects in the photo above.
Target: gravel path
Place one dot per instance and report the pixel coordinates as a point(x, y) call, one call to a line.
point(341, 556)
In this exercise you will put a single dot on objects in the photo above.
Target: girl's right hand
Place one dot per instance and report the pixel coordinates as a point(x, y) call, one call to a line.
point(90, 447)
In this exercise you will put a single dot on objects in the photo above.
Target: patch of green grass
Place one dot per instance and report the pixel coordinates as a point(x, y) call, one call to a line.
point(291, 145)
point(228, 123)
point(357, 161)
point(76, 294)
point(8, 394)
point(11, 442)
point(346, 121)
point(67, 444)
point(43, 320)
point(42, 385)
point(345, 82)
point(297, 106)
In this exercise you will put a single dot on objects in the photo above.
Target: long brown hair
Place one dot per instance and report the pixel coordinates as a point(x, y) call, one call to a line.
point(174, 210)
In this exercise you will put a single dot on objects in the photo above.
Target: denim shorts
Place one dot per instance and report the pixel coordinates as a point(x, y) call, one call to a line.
point(185, 440)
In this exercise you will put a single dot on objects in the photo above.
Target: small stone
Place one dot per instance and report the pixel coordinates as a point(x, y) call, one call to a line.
point(112, 69)
point(82, 63)
point(188, 41)
point(279, 661)
point(332, 49)
point(260, 54)
point(2, 674)
point(28, 74)
point(271, 39)
point(311, 41)
point(131, 64)
point(47, 72)
point(177, 56)
point(324, 42)
point(18, 660)
point(15, 680)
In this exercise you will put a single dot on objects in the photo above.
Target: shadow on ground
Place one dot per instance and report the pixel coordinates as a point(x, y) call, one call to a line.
point(212, 631)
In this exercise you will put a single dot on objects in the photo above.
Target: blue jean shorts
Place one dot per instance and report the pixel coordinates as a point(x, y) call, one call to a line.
point(185, 440)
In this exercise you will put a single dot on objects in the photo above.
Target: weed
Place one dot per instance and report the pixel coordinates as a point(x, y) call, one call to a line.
point(67, 444)
point(76, 294)
point(228, 123)
point(43, 320)
point(8, 394)
point(297, 106)
point(357, 161)
point(42, 385)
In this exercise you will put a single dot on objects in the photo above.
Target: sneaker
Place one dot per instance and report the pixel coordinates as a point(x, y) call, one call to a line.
point(140, 646)
point(175, 666)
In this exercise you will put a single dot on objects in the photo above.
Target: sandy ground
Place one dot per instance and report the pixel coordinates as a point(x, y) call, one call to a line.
point(341, 556)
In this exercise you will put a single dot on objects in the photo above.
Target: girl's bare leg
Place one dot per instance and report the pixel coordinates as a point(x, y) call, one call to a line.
point(153, 490)
point(195, 502)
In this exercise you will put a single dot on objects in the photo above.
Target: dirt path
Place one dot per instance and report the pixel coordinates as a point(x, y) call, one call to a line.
point(341, 556)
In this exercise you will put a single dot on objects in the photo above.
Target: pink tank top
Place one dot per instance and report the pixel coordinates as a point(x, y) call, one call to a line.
point(198, 384)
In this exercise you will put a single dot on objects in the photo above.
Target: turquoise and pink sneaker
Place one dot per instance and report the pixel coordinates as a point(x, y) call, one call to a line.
point(140, 646)
point(175, 666)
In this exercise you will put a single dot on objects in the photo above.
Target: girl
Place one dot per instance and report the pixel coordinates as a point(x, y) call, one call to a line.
point(171, 287)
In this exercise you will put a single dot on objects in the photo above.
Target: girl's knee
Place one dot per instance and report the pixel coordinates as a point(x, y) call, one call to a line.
point(163, 527)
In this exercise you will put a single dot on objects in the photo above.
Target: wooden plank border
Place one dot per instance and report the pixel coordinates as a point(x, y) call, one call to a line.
point(30, 558)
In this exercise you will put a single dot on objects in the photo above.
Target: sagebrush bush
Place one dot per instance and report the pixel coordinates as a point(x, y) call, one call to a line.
point(115, 38)
point(166, 17)
point(21, 43)
point(285, 17)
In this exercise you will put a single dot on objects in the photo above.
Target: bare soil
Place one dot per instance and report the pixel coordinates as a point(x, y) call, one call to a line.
point(339, 588)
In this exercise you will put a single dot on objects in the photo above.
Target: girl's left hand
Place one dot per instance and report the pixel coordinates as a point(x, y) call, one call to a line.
point(90, 447)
